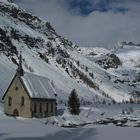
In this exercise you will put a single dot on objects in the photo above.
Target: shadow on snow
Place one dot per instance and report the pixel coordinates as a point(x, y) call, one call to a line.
point(69, 134)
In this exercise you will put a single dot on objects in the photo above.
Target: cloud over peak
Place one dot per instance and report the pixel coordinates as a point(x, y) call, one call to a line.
point(90, 22)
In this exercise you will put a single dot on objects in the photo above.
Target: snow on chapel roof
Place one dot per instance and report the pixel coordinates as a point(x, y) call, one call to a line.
point(38, 86)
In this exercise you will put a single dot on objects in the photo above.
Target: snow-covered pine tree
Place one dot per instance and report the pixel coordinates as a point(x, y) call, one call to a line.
point(74, 103)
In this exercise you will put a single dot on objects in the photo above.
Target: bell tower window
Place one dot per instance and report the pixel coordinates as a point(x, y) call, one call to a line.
point(16, 88)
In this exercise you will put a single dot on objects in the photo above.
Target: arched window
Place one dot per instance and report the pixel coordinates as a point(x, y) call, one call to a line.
point(51, 107)
point(16, 88)
point(22, 101)
point(35, 107)
point(9, 101)
point(47, 108)
point(40, 108)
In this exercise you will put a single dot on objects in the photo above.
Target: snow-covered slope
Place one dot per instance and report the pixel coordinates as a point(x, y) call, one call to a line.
point(122, 68)
point(97, 74)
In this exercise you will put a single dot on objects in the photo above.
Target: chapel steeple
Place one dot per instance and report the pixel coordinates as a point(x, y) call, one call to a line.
point(20, 71)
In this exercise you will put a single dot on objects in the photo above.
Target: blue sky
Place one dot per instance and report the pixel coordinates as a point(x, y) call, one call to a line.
point(94, 23)
point(84, 6)
point(88, 6)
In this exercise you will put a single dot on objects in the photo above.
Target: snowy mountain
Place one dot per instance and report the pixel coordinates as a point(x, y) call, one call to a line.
point(97, 74)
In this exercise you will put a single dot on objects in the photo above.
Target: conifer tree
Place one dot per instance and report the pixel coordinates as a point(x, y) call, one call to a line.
point(74, 103)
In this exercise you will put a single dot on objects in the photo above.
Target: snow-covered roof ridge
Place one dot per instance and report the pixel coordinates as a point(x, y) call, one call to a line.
point(38, 86)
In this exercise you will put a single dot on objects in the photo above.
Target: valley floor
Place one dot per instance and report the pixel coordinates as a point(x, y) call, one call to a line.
point(11, 129)
point(42, 129)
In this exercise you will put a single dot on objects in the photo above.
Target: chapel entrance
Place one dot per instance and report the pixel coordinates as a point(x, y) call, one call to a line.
point(16, 113)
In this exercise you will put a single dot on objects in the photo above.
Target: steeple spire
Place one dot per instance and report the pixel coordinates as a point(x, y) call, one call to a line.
point(20, 70)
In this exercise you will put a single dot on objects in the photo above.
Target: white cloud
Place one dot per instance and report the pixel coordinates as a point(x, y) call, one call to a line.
point(103, 29)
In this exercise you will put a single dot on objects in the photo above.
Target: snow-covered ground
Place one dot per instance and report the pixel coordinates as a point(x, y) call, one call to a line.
point(31, 130)
point(42, 129)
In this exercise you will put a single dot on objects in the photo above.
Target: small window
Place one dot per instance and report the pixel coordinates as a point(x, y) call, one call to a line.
point(22, 101)
point(9, 101)
point(35, 107)
point(40, 108)
point(16, 88)
point(47, 108)
point(51, 107)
